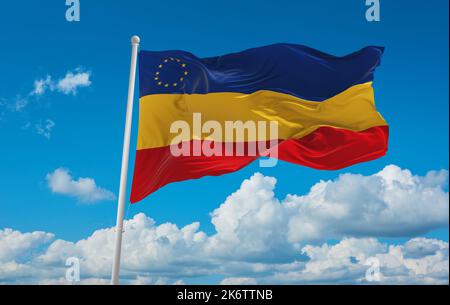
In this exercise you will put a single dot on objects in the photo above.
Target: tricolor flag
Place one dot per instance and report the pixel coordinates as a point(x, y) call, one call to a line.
point(323, 107)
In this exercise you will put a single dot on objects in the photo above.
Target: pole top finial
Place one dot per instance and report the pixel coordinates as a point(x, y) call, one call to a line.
point(135, 39)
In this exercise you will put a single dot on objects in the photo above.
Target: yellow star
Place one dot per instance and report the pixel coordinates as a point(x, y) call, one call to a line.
point(175, 84)
point(185, 72)
point(156, 78)
point(160, 66)
point(160, 83)
point(166, 85)
point(183, 65)
point(181, 79)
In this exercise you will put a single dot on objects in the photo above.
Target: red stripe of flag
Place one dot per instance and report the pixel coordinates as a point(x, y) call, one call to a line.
point(327, 148)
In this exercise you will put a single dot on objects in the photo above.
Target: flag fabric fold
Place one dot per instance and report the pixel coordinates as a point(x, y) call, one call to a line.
point(323, 107)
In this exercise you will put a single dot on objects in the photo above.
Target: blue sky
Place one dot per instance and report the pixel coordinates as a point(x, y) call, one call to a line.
point(411, 89)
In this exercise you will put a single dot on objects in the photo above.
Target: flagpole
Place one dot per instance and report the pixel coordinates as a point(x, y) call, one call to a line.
point(125, 154)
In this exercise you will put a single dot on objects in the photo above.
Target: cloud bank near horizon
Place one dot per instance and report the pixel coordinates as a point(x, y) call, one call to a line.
point(324, 236)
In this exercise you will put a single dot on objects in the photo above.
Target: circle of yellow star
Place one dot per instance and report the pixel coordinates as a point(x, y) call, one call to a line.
point(160, 81)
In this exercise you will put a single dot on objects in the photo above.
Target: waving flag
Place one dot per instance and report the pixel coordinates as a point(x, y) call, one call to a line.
point(323, 107)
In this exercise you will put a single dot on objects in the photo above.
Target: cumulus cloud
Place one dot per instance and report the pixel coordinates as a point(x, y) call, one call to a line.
point(69, 84)
point(84, 189)
point(72, 81)
point(349, 260)
point(14, 244)
point(260, 239)
point(390, 203)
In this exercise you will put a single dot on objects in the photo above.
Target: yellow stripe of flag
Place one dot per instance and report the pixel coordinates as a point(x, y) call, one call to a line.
point(353, 109)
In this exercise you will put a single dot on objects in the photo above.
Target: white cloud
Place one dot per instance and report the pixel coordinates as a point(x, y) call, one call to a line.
point(69, 84)
point(72, 81)
point(346, 262)
point(238, 281)
point(260, 239)
point(14, 244)
point(41, 85)
point(162, 254)
point(84, 189)
point(45, 129)
point(390, 203)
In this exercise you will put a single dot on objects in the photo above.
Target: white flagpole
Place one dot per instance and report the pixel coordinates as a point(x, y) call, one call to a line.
point(125, 154)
